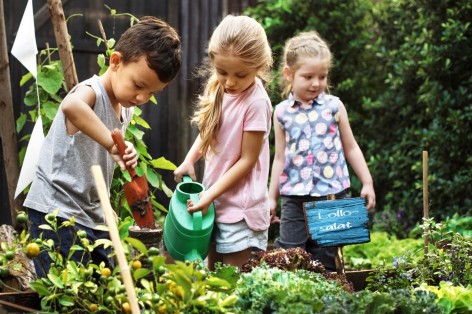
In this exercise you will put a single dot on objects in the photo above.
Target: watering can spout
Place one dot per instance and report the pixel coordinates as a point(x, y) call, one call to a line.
point(193, 255)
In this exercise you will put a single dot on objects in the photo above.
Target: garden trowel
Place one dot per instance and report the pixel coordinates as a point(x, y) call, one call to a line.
point(136, 191)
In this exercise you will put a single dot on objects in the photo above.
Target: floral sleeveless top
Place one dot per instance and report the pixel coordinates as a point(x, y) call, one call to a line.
point(315, 164)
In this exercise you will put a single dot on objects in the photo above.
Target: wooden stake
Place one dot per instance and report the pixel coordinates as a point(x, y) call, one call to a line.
point(425, 198)
point(63, 43)
point(115, 238)
point(7, 126)
point(339, 259)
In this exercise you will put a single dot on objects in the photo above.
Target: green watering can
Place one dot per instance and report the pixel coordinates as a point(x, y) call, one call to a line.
point(187, 235)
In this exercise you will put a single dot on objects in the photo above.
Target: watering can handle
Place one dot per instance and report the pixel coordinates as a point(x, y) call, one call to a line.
point(186, 179)
point(197, 216)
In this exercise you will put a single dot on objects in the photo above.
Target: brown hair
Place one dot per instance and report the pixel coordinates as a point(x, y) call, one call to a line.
point(158, 41)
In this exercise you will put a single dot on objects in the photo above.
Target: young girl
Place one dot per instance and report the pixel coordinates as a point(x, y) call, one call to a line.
point(234, 121)
point(313, 140)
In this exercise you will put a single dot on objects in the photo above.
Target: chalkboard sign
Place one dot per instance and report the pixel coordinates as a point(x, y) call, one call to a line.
point(337, 222)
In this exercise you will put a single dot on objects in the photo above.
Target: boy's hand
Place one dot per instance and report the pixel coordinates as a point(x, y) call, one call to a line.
point(130, 159)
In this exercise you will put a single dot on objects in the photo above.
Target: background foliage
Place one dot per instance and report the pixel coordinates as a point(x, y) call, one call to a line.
point(401, 68)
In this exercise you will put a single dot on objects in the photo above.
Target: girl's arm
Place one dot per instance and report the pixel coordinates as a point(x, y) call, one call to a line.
point(78, 110)
point(277, 168)
point(188, 165)
point(356, 159)
point(251, 148)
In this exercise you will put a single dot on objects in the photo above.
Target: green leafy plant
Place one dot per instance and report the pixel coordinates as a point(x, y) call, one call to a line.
point(380, 251)
point(448, 258)
point(161, 288)
point(451, 299)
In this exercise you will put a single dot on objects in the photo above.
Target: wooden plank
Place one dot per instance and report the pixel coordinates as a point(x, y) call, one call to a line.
point(337, 222)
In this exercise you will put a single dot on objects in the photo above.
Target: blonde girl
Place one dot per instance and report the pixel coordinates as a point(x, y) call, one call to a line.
point(234, 120)
point(313, 143)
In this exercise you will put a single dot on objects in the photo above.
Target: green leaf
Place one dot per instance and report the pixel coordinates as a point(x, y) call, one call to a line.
point(50, 109)
point(45, 227)
point(31, 97)
point(138, 134)
point(20, 122)
point(50, 80)
point(152, 178)
point(66, 300)
point(26, 78)
point(141, 273)
point(111, 43)
point(137, 244)
point(146, 285)
point(56, 280)
point(140, 121)
point(124, 227)
point(163, 163)
point(40, 288)
point(105, 242)
point(159, 206)
point(101, 60)
point(166, 190)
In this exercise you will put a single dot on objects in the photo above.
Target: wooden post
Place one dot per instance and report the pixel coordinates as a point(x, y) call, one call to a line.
point(103, 194)
point(339, 259)
point(425, 199)
point(63, 43)
point(7, 126)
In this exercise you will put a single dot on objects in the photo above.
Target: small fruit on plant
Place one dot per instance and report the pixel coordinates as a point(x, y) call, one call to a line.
point(50, 218)
point(4, 272)
point(106, 272)
point(21, 218)
point(126, 307)
point(32, 250)
point(93, 307)
point(10, 255)
point(152, 251)
point(137, 264)
point(82, 233)
point(161, 270)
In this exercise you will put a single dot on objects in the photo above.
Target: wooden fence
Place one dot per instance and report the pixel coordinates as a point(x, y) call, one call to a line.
point(171, 135)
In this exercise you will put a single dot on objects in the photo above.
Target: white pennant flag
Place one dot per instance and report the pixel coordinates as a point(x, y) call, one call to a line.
point(28, 169)
point(24, 48)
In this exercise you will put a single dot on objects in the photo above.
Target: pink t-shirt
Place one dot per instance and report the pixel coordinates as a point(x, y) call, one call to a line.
point(248, 198)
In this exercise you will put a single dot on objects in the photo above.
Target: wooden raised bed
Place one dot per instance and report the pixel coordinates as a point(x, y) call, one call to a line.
point(19, 302)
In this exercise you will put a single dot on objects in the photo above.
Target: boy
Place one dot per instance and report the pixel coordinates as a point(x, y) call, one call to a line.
point(146, 58)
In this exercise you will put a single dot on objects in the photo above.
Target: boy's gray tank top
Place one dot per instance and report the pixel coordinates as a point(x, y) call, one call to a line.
point(64, 178)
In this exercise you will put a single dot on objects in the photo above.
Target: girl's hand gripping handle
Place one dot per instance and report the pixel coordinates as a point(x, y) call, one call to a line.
point(121, 146)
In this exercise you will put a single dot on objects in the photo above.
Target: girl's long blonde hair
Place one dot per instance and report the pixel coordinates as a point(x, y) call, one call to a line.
point(306, 44)
point(244, 38)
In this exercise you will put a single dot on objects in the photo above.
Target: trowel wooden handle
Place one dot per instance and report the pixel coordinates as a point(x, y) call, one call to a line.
point(120, 144)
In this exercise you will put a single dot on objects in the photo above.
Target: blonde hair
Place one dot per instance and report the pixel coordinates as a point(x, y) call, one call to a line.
point(306, 44)
point(242, 37)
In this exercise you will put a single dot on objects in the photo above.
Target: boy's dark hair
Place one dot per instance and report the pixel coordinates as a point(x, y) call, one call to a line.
point(158, 41)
